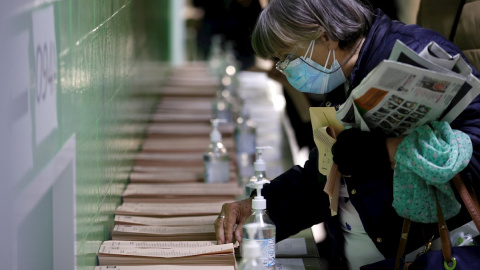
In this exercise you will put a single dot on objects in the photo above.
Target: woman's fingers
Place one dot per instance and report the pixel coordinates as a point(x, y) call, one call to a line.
point(225, 223)
point(219, 231)
point(229, 223)
point(238, 232)
point(246, 209)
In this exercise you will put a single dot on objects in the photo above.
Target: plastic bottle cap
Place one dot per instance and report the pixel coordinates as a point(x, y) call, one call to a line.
point(259, 165)
point(251, 249)
point(259, 202)
point(215, 135)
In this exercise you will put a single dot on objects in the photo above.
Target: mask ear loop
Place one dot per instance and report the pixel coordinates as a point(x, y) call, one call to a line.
point(328, 57)
point(313, 46)
point(310, 46)
point(326, 78)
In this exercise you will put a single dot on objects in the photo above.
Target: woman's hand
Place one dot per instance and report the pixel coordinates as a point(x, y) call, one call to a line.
point(232, 214)
point(362, 153)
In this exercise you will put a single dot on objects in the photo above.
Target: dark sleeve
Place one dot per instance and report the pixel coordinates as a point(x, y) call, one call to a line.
point(469, 122)
point(296, 200)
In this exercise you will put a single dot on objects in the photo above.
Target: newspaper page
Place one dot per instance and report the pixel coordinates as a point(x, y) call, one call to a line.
point(409, 90)
point(434, 58)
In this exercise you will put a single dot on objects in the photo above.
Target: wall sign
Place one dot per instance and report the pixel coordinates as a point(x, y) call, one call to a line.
point(45, 53)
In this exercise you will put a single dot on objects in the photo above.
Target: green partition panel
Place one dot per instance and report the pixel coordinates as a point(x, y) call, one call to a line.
point(67, 108)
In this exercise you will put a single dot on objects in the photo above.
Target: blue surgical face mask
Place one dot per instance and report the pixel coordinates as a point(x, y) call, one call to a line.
point(310, 77)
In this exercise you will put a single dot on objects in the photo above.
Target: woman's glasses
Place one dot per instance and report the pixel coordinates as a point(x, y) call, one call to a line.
point(283, 64)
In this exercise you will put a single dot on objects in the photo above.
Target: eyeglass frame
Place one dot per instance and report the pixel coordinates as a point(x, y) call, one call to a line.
point(281, 65)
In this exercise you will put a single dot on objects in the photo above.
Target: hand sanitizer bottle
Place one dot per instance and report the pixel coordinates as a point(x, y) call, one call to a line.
point(216, 159)
point(222, 105)
point(231, 58)
point(260, 168)
point(229, 90)
point(251, 251)
point(245, 143)
point(216, 56)
point(232, 67)
point(265, 236)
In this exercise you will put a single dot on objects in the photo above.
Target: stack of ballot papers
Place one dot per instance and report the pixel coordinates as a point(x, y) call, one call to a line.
point(169, 221)
point(169, 209)
point(163, 233)
point(187, 129)
point(157, 167)
point(177, 144)
point(186, 192)
point(198, 253)
point(163, 267)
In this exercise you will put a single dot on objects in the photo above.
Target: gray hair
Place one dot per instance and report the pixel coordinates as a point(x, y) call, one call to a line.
point(285, 24)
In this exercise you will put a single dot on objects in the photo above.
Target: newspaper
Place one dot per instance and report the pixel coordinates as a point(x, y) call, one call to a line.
point(409, 90)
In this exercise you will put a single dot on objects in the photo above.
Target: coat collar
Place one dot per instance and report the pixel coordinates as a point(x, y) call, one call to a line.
point(370, 47)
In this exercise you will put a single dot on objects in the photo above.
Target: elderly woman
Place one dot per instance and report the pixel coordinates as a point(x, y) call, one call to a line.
point(328, 47)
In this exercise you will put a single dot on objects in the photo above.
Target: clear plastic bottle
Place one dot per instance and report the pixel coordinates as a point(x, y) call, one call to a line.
point(232, 66)
point(265, 235)
point(230, 56)
point(216, 159)
point(251, 252)
point(216, 56)
point(222, 106)
point(229, 78)
point(245, 143)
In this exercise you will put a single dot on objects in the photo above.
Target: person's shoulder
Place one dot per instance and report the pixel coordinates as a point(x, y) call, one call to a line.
point(412, 35)
point(417, 37)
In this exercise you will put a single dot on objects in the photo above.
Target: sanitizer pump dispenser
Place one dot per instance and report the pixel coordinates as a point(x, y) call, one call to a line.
point(265, 235)
point(260, 168)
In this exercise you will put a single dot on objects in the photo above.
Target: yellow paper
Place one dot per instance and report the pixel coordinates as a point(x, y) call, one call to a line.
point(323, 117)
